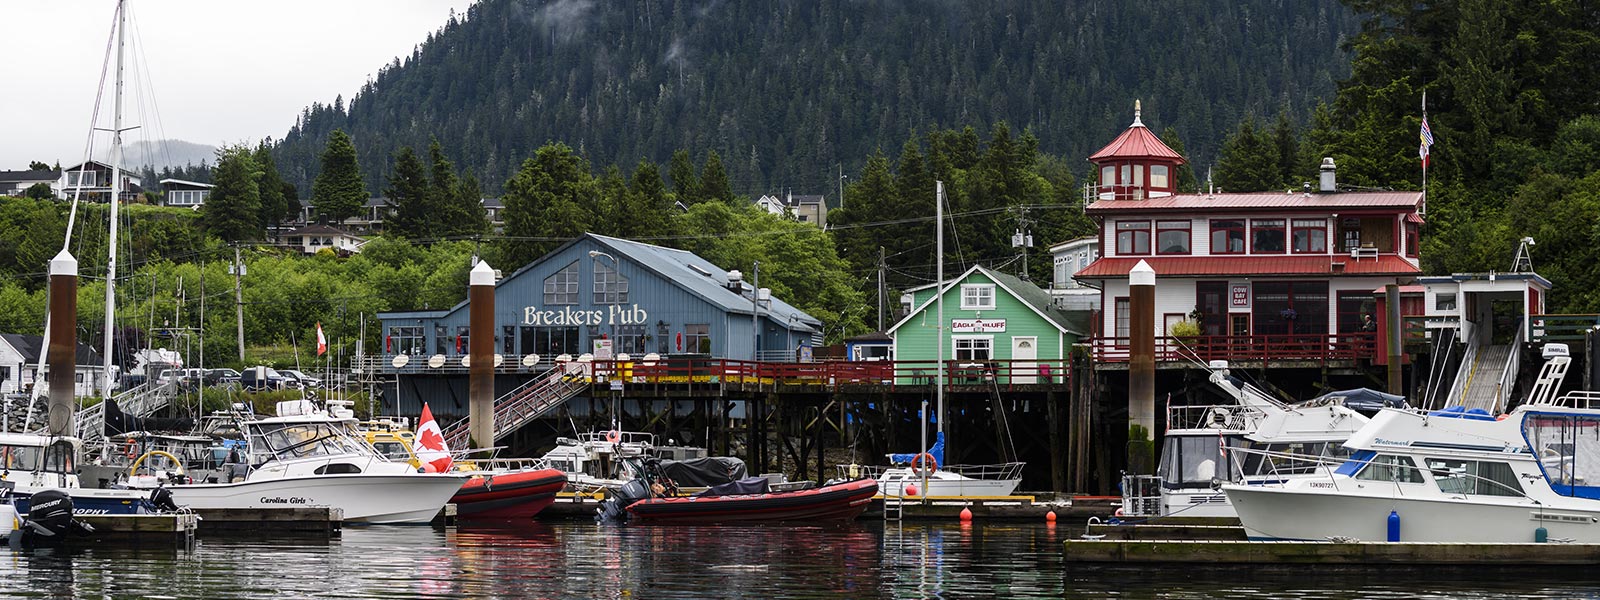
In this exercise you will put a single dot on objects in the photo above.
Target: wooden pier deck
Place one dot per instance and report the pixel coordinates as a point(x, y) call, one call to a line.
point(141, 529)
point(1326, 553)
point(288, 520)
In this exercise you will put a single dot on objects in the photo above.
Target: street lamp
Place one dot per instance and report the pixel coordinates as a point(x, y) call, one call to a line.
point(610, 290)
point(616, 416)
point(756, 293)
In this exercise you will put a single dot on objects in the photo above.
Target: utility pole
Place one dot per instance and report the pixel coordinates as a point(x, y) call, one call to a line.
point(841, 185)
point(238, 296)
point(881, 266)
point(1022, 240)
point(755, 313)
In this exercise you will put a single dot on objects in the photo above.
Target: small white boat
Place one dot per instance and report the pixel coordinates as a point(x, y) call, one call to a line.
point(307, 457)
point(34, 463)
point(922, 473)
point(605, 459)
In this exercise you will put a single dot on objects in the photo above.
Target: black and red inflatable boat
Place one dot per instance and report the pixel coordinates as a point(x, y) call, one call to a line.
point(511, 495)
point(843, 501)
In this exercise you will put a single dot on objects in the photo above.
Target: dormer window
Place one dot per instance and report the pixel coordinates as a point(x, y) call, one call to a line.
point(977, 297)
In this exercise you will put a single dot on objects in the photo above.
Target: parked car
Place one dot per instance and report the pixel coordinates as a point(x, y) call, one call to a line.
point(223, 377)
point(265, 378)
point(305, 381)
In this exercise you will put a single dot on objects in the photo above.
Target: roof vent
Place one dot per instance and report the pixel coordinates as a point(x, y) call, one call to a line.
point(1328, 183)
point(699, 269)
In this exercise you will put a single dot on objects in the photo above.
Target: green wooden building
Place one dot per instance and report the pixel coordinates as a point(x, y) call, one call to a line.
point(996, 326)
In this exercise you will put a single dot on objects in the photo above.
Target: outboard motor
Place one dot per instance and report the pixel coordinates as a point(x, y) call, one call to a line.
point(161, 500)
point(614, 508)
point(50, 520)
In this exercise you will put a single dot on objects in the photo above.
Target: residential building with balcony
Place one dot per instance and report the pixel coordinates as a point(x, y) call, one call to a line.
point(1252, 268)
point(185, 194)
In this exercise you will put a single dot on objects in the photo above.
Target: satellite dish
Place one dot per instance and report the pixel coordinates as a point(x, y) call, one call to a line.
point(530, 360)
point(564, 358)
point(399, 360)
point(651, 358)
point(498, 360)
point(436, 361)
point(623, 356)
point(586, 357)
point(466, 361)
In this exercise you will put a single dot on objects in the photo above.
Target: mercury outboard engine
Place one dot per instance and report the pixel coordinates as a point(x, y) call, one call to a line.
point(614, 508)
point(50, 520)
point(161, 500)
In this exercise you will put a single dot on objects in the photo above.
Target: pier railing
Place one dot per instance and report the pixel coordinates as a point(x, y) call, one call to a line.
point(1303, 347)
point(1560, 328)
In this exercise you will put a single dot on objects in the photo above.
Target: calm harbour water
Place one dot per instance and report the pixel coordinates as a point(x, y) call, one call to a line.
point(865, 559)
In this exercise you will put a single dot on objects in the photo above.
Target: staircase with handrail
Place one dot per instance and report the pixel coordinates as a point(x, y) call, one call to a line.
point(523, 404)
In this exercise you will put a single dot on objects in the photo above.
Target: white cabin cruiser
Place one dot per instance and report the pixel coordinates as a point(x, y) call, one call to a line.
point(36, 462)
point(1256, 440)
point(306, 456)
point(923, 473)
point(1453, 475)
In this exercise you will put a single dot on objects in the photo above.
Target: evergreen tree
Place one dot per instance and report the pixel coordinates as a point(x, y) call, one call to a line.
point(339, 192)
point(408, 197)
point(458, 203)
point(232, 213)
point(685, 184)
point(545, 203)
point(1288, 148)
point(714, 184)
point(38, 166)
point(273, 203)
point(1249, 161)
point(650, 211)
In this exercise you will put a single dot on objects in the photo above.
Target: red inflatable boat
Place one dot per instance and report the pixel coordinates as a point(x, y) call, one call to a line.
point(843, 501)
point(509, 495)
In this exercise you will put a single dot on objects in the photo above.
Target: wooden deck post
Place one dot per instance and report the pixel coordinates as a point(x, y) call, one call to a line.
point(480, 352)
point(1141, 369)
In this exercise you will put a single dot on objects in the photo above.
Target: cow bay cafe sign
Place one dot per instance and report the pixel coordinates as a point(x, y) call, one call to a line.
point(978, 325)
point(613, 315)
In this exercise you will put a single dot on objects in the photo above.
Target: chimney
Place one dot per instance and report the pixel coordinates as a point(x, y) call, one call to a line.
point(1327, 181)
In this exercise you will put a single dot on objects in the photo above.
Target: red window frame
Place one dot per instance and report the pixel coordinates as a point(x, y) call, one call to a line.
point(1186, 227)
point(1133, 238)
point(1216, 229)
point(1295, 229)
point(1281, 228)
point(1412, 240)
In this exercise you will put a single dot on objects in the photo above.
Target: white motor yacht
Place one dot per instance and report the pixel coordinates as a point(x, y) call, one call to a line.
point(36, 462)
point(1448, 476)
point(307, 456)
point(1255, 440)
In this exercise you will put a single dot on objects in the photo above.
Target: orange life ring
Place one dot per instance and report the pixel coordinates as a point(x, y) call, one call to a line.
point(613, 436)
point(931, 462)
point(130, 450)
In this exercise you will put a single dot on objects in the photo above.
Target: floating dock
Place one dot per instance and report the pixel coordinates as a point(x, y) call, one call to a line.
point(570, 505)
point(288, 520)
point(142, 529)
point(1326, 553)
point(1168, 528)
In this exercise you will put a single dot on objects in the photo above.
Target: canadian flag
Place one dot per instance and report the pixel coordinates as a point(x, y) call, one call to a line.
point(322, 341)
point(430, 446)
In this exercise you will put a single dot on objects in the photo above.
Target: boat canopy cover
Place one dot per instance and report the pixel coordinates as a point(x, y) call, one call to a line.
point(1462, 412)
point(118, 422)
point(748, 485)
point(1361, 399)
point(704, 472)
point(937, 451)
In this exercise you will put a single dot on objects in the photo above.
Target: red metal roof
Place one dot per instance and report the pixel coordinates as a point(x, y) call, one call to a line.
point(1182, 266)
point(1263, 200)
point(1136, 142)
point(1414, 218)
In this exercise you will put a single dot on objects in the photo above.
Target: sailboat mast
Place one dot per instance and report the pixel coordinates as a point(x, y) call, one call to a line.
point(116, 193)
point(938, 228)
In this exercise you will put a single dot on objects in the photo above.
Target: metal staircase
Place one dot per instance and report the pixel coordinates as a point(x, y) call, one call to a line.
point(1484, 382)
point(526, 403)
point(140, 401)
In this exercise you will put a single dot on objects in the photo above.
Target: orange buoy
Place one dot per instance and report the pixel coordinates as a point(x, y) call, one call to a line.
point(966, 514)
point(1050, 517)
point(911, 489)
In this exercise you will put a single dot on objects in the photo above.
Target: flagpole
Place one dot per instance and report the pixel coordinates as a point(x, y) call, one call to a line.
point(1426, 152)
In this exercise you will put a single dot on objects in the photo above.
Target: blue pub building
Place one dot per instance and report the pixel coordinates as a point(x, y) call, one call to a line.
point(595, 298)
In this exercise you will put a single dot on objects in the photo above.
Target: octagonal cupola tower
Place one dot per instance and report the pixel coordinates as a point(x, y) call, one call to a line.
point(1136, 165)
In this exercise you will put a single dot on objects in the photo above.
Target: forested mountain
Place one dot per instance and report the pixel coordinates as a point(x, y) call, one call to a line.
point(787, 91)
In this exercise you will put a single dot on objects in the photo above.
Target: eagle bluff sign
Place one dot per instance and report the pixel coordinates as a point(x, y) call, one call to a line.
point(613, 315)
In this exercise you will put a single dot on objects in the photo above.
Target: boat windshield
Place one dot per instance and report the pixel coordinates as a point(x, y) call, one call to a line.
point(393, 450)
point(300, 440)
point(20, 458)
point(1189, 461)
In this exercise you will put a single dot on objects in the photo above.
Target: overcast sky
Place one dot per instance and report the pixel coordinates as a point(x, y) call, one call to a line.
point(220, 71)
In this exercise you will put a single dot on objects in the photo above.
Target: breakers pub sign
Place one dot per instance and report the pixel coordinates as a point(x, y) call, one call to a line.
point(615, 314)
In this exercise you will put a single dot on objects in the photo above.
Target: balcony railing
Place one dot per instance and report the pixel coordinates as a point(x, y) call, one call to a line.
point(1315, 347)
